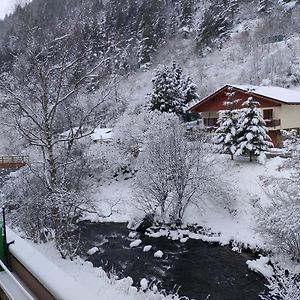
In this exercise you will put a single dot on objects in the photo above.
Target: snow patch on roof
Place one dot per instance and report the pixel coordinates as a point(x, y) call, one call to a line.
point(103, 134)
point(278, 93)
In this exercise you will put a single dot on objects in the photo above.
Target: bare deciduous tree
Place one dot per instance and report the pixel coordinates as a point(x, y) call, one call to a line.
point(46, 100)
point(173, 171)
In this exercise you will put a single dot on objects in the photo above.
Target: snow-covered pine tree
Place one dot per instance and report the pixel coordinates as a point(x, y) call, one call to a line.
point(264, 6)
point(172, 90)
point(226, 134)
point(253, 138)
point(189, 90)
point(166, 95)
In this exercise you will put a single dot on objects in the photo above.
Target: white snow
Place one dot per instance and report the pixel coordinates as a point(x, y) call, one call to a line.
point(132, 234)
point(236, 249)
point(147, 248)
point(231, 216)
point(116, 195)
point(60, 284)
point(8, 6)
point(135, 243)
point(184, 240)
point(102, 134)
point(261, 266)
point(144, 284)
point(92, 251)
point(287, 96)
point(158, 254)
point(288, 5)
point(69, 132)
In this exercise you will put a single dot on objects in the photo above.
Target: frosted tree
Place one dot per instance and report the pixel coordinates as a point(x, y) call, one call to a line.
point(226, 134)
point(284, 285)
point(173, 171)
point(172, 90)
point(291, 142)
point(253, 138)
point(264, 6)
point(279, 222)
point(217, 20)
point(42, 95)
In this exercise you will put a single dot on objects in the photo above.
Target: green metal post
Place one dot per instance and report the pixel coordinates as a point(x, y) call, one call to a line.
point(2, 240)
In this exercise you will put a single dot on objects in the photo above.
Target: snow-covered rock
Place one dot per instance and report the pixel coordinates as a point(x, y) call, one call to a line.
point(147, 248)
point(92, 251)
point(236, 249)
point(135, 243)
point(261, 266)
point(144, 284)
point(183, 240)
point(158, 254)
point(132, 234)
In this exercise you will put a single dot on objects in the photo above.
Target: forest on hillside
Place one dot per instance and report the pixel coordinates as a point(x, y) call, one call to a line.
point(71, 70)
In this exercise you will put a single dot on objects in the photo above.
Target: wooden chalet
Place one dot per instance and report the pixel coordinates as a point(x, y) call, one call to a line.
point(280, 107)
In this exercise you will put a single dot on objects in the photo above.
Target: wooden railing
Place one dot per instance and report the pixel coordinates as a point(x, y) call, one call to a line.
point(13, 161)
point(273, 122)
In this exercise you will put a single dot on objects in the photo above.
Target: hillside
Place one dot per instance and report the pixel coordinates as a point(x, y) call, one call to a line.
point(94, 93)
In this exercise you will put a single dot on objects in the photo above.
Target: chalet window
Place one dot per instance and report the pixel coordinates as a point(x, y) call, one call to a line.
point(210, 122)
point(268, 114)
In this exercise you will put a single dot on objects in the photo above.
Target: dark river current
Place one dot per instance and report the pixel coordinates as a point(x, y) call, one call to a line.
point(195, 269)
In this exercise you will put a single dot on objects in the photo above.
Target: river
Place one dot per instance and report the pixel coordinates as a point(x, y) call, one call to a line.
point(195, 269)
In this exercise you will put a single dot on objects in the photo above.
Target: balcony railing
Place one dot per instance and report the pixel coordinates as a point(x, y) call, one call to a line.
point(273, 122)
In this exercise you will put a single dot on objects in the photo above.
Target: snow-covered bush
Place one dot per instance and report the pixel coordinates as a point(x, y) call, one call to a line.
point(291, 141)
point(283, 286)
point(172, 170)
point(253, 138)
point(279, 222)
point(129, 132)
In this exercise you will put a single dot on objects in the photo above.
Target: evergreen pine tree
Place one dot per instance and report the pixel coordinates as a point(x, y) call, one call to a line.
point(253, 138)
point(187, 9)
point(166, 95)
point(226, 134)
point(172, 90)
point(174, 20)
point(264, 6)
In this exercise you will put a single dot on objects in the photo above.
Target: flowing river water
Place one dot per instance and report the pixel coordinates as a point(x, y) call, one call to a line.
point(196, 269)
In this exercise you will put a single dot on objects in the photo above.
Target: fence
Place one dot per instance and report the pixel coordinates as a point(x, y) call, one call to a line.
point(13, 161)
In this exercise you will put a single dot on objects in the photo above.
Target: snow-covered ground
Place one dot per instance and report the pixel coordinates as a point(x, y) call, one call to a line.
point(234, 220)
point(225, 217)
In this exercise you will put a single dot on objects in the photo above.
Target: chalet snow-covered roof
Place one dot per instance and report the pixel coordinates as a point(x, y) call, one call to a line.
point(286, 96)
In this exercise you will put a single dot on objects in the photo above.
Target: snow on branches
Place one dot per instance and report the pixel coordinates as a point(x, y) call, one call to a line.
point(226, 134)
point(284, 285)
point(172, 90)
point(253, 138)
point(242, 131)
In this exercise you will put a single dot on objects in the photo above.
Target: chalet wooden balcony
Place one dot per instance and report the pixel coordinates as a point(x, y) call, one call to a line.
point(273, 122)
